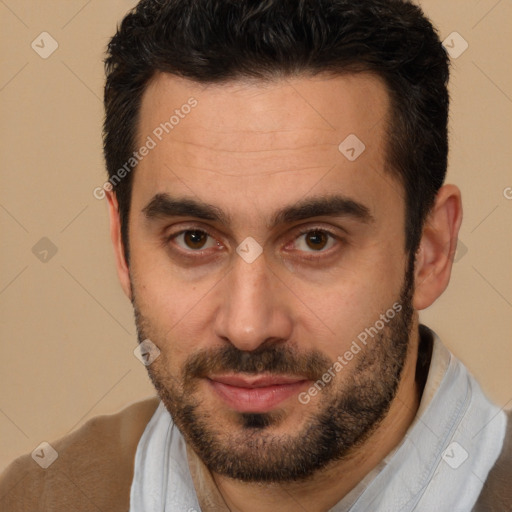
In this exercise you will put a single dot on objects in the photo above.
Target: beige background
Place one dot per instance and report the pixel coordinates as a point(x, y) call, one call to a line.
point(67, 330)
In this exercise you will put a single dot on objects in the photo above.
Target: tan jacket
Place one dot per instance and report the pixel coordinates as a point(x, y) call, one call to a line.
point(94, 469)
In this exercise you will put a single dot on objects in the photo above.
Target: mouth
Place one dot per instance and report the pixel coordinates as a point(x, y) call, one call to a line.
point(255, 394)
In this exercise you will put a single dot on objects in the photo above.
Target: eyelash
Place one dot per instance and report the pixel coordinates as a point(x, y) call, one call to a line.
point(199, 253)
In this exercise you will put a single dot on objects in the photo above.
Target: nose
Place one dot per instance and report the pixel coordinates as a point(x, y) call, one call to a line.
point(253, 309)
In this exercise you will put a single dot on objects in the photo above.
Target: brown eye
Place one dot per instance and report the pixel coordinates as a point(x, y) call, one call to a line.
point(315, 241)
point(194, 239)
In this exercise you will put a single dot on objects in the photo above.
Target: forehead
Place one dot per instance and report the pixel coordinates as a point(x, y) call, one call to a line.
point(253, 111)
point(270, 142)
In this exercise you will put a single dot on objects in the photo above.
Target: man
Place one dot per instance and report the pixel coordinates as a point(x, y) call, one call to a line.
point(279, 218)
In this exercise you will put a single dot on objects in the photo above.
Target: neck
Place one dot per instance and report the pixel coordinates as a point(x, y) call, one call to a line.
point(324, 489)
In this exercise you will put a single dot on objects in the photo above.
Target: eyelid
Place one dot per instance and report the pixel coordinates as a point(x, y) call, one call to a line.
point(303, 231)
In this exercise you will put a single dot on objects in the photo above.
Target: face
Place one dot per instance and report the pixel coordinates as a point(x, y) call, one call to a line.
point(267, 264)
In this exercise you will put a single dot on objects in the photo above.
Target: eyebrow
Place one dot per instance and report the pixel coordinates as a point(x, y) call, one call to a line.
point(163, 206)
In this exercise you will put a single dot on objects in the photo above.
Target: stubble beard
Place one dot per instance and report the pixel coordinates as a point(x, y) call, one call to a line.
point(250, 451)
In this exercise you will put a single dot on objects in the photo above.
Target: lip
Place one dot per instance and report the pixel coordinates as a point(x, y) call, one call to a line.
point(256, 394)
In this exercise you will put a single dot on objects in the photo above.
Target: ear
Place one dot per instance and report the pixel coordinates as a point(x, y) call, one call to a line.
point(434, 258)
point(123, 271)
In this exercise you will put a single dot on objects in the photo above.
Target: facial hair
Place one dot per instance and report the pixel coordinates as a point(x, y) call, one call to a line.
point(346, 416)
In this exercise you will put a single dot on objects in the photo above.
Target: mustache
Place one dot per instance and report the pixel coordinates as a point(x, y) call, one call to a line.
point(272, 359)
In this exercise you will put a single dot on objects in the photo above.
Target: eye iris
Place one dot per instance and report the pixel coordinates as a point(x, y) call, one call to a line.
point(318, 238)
point(195, 239)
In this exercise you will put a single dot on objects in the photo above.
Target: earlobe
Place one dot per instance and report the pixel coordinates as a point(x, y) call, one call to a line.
point(434, 258)
point(123, 271)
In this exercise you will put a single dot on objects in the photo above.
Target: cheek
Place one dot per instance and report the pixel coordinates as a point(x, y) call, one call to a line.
point(178, 331)
point(341, 310)
point(163, 298)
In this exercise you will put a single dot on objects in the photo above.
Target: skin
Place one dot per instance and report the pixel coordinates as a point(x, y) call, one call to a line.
point(250, 149)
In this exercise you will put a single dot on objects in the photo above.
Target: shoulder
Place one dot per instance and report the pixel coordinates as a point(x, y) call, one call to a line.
point(496, 495)
point(93, 470)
